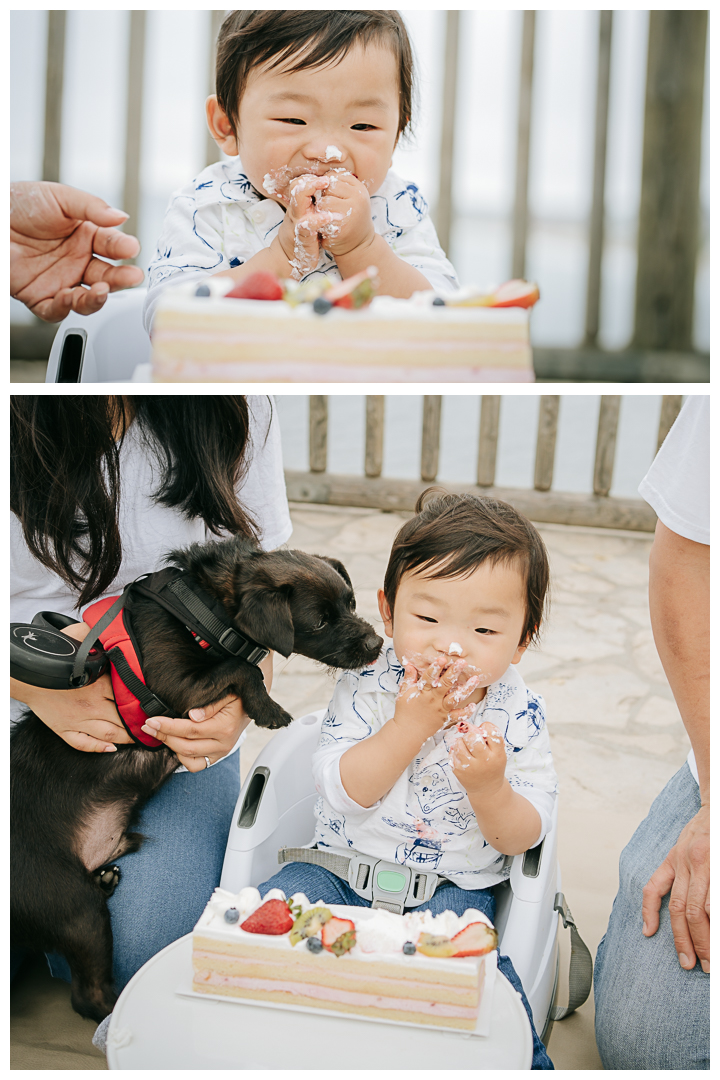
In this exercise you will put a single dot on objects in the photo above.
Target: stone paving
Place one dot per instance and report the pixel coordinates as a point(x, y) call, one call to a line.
point(616, 733)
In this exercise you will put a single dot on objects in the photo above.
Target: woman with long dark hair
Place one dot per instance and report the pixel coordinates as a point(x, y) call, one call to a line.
point(102, 488)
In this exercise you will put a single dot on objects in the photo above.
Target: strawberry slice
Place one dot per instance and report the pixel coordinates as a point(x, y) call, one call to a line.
point(515, 293)
point(338, 935)
point(355, 291)
point(262, 285)
point(273, 917)
point(474, 940)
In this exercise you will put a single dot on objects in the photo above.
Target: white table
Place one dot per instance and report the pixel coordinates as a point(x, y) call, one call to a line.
point(153, 1027)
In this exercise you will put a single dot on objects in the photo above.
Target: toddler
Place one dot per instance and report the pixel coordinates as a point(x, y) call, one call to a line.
point(310, 105)
point(437, 756)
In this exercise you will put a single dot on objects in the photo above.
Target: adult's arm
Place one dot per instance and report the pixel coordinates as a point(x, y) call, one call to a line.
point(680, 615)
point(56, 235)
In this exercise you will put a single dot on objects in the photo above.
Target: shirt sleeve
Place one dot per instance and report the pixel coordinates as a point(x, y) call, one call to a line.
point(351, 717)
point(419, 246)
point(677, 485)
point(189, 246)
point(262, 492)
point(530, 770)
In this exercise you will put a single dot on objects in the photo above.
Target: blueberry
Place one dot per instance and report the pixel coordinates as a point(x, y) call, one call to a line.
point(409, 948)
point(202, 290)
point(438, 302)
point(321, 306)
point(232, 915)
point(314, 944)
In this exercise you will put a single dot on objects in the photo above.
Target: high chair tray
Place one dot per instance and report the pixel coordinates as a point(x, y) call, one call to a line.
point(155, 1027)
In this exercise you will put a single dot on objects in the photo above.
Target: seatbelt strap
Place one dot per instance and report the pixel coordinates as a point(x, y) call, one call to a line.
point(581, 965)
point(387, 885)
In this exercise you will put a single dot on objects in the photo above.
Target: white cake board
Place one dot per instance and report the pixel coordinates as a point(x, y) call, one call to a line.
point(154, 1027)
point(482, 1027)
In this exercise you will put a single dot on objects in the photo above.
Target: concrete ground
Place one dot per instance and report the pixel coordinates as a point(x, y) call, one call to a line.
point(616, 736)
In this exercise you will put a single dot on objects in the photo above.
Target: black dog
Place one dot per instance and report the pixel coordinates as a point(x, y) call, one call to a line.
point(71, 811)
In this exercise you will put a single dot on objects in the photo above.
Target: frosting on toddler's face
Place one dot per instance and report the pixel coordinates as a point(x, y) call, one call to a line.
point(343, 115)
point(476, 621)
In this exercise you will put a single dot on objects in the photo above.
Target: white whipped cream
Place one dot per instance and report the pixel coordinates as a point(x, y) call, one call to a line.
point(332, 153)
point(455, 649)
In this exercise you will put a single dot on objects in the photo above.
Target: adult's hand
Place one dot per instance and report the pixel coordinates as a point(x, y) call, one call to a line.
point(56, 234)
point(87, 718)
point(686, 875)
point(210, 732)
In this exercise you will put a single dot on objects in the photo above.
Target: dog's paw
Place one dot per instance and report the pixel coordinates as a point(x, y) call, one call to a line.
point(273, 718)
point(107, 877)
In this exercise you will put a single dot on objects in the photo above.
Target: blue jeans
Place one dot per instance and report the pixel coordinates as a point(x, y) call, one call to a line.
point(167, 883)
point(649, 1012)
point(320, 884)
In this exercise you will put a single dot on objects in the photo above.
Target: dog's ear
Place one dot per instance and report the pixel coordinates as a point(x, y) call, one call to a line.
point(265, 615)
point(337, 565)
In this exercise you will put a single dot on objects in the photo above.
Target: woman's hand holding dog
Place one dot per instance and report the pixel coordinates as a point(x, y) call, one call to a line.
point(86, 718)
point(207, 733)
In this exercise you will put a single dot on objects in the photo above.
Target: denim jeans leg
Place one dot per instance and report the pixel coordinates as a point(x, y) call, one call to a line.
point(649, 1012)
point(167, 883)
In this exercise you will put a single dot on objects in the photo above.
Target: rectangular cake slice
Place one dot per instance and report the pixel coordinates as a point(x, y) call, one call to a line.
point(216, 339)
point(373, 978)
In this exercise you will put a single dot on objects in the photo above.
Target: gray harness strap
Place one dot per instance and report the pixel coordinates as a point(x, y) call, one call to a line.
point(387, 885)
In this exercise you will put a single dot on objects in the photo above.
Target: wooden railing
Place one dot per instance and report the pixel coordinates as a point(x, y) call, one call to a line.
point(669, 209)
point(540, 503)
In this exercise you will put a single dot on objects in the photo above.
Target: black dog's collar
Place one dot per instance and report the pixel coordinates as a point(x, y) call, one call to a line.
point(179, 593)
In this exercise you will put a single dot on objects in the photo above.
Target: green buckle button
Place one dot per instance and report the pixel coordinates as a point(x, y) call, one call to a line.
point(390, 881)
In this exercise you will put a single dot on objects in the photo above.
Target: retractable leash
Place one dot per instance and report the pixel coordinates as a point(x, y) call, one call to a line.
point(42, 656)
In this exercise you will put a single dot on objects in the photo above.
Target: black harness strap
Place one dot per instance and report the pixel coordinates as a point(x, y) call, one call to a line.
point(180, 594)
point(150, 703)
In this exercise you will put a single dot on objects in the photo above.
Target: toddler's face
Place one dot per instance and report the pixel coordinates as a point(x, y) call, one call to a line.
point(483, 613)
point(341, 116)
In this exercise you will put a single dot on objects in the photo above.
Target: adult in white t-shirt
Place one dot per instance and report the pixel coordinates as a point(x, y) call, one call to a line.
point(165, 885)
point(652, 982)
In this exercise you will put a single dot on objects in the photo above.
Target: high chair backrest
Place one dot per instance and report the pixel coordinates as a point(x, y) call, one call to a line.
point(103, 347)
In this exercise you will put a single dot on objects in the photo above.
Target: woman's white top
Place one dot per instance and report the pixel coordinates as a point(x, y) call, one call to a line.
point(148, 530)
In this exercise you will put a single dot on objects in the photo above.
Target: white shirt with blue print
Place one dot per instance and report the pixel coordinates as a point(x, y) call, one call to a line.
point(426, 820)
point(219, 221)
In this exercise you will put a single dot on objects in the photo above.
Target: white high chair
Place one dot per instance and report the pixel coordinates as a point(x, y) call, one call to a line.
point(275, 809)
point(104, 347)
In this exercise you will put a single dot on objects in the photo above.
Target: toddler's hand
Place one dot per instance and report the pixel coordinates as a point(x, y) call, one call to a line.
point(423, 690)
point(478, 758)
point(347, 202)
point(299, 234)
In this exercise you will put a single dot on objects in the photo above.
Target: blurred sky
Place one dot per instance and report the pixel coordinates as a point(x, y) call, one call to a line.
point(176, 84)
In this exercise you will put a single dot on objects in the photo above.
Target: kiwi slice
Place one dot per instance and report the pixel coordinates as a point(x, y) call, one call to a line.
point(309, 924)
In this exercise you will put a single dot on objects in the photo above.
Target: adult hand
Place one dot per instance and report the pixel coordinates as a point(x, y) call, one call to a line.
point(685, 873)
point(210, 732)
point(86, 719)
point(56, 232)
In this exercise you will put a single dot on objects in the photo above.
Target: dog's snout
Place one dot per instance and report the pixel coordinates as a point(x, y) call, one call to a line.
point(372, 645)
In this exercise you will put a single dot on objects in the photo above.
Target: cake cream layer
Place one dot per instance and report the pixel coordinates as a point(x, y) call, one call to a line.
point(407, 1010)
point(177, 371)
point(217, 331)
point(385, 976)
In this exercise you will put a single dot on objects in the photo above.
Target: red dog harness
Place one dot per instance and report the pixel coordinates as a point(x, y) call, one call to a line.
point(117, 641)
point(201, 615)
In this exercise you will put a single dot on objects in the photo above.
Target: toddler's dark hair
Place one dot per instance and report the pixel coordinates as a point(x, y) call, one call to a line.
point(452, 535)
point(250, 39)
